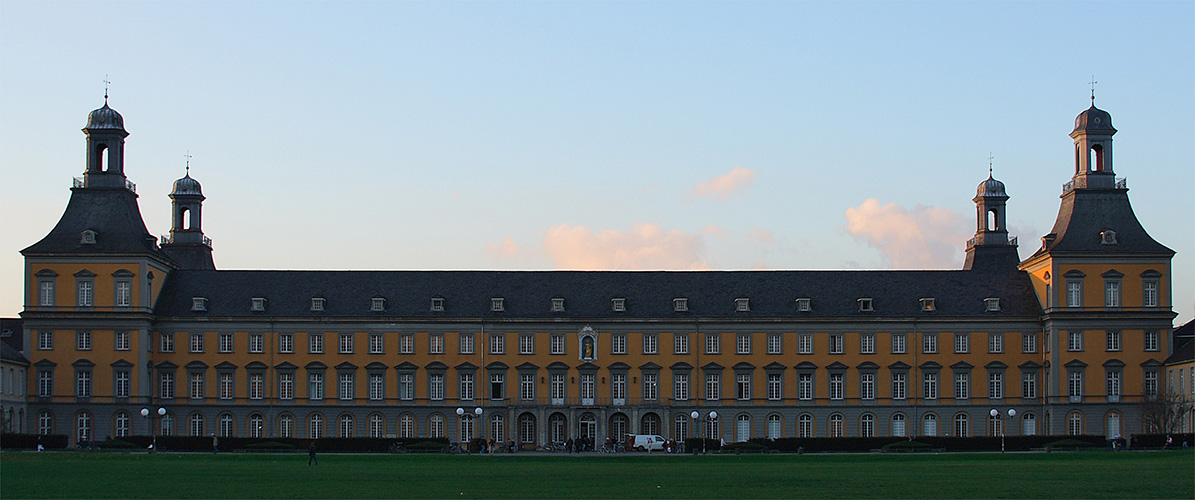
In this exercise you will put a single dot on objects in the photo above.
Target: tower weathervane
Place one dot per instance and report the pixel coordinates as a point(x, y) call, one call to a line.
point(188, 157)
point(990, 158)
point(106, 83)
point(1092, 83)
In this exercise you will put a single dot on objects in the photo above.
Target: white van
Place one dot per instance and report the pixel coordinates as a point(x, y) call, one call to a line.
point(645, 442)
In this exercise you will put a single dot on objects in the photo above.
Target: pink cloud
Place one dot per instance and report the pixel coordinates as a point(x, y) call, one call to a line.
point(724, 186)
point(504, 249)
point(644, 246)
point(922, 238)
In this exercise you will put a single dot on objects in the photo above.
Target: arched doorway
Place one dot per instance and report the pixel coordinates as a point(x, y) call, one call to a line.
point(619, 426)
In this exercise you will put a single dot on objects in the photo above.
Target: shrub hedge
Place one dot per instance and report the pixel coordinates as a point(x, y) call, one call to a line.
point(1158, 440)
point(11, 441)
point(977, 443)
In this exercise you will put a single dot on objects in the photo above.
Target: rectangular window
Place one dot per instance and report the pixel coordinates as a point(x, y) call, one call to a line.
point(1074, 341)
point(166, 385)
point(556, 387)
point(1151, 383)
point(86, 294)
point(805, 343)
point(256, 343)
point(406, 386)
point(1028, 385)
point(122, 384)
point(1029, 342)
point(1074, 293)
point(225, 388)
point(224, 342)
point(651, 386)
point(1074, 386)
point(680, 304)
point(257, 304)
point(775, 343)
point(527, 343)
point(867, 343)
point(197, 386)
point(805, 386)
point(742, 386)
point(377, 304)
point(558, 304)
point(346, 343)
point(899, 343)
point(45, 340)
point(466, 386)
point(587, 384)
point(197, 342)
point(286, 343)
point(556, 343)
point(995, 342)
point(1151, 340)
point(618, 388)
point(774, 386)
point(435, 343)
point(992, 304)
point(651, 343)
point(315, 386)
point(45, 383)
point(742, 344)
point(1113, 337)
point(618, 304)
point(995, 385)
point(497, 343)
point(376, 343)
point(376, 387)
point(1149, 295)
point(466, 343)
point(803, 304)
point(618, 343)
point(83, 384)
point(435, 387)
point(836, 342)
point(680, 343)
point(347, 390)
point(437, 304)
point(713, 386)
point(929, 385)
point(713, 343)
point(527, 387)
point(899, 386)
point(962, 385)
point(315, 343)
point(1112, 385)
point(929, 343)
point(124, 294)
point(46, 295)
point(680, 386)
point(406, 343)
point(256, 386)
point(962, 343)
point(1111, 294)
point(286, 386)
point(836, 386)
point(122, 341)
point(867, 386)
point(83, 340)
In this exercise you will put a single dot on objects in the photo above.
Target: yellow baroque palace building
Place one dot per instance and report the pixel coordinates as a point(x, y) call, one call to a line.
point(118, 321)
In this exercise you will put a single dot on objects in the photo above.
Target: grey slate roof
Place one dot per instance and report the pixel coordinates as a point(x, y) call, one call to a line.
point(114, 216)
point(588, 294)
point(1084, 213)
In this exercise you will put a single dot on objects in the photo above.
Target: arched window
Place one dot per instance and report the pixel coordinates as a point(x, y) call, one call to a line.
point(1028, 425)
point(775, 426)
point(867, 425)
point(805, 426)
point(465, 432)
point(650, 424)
point(680, 428)
point(929, 425)
point(558, 428)
point(377, 426)
point(406, 426)
point(742, 427)
point(619, 423)
point(166, 425)
point(286, 426)
point(121, 424)
point(196, 425)
point(837, 425)
point(256, 426)
point(713, 429)
point(315, 426)
point(498, 428)
point(347, 426)
point(962, 425)
point(1074, 423)
point(435, 426)
point(898, 425)
point(83, 427)
point(45, 423)
point(527, 428)
point(226, 425)
point(1112, 429)
point(993, 425)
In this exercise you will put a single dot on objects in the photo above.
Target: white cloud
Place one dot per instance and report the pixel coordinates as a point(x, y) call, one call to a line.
point(922, 238)
point(725, 186)
point(645, 246)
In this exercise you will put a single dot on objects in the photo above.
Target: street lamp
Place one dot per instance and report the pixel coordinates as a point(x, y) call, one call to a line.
point(477, 422)
point(1000, 418)
point(460, 425)
point(152, 428)
point(693, 416)
point(713, 416)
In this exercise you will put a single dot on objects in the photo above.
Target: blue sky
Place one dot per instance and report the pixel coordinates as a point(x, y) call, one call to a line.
point(618, 135)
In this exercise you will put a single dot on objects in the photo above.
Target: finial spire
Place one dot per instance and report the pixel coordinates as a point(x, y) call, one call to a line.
point(188, 157)
point(1092, 83)
point(990, 158)
point(106, 83)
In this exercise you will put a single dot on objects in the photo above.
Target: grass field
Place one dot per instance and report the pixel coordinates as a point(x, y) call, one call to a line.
point(972, 475)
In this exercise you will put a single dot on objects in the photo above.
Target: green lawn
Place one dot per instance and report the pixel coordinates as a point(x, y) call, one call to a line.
point(1099, 474)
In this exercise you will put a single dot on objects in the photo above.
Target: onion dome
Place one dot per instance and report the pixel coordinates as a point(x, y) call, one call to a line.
point(1093, 118)
point(990, 187)
point(105, 118)
point(187, 185)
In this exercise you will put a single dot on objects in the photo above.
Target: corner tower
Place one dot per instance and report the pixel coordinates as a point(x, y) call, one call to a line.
point(1104, 286)
point(186, 244)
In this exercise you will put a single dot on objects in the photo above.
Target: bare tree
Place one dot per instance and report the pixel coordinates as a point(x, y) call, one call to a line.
point(1164, 413)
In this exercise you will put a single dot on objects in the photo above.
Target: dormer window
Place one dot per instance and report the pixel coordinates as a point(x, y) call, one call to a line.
point(1107, 237)
point(377, 304)
point(742, 304)
point(618, 304)
point(497, 304)
point(865, 304)
point(991, 304)
point(198, 303)
point(928, 305)
point(680, 304)
point(803, 304)
point(558, 304)
point(258, 304)
point(437, 304)
point(88, 237)
point(317, 304)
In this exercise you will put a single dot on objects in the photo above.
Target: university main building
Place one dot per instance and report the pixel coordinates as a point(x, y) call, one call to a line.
point(117, 320)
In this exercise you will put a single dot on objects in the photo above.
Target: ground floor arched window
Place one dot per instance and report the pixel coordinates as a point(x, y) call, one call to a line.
point(498, 428)
point(775, 426)
point(347, 426)
point(45, 423)
point(867, 425)
point(805, 426)
point(286, 426)
point(527, 428)
point(680, 428)
point(315, 426)
point(558, 428)
point(83, 427)
point(837, 425)
point(195, 424)
point(1028, 425)
point(1074, 423)
point(256, 426)
point(619, 423)
point(962, 425)
point(898, 425)
point(406, 426)
point(435, 426)
point(377, 426)
point(742, 427)
point(929, 425)
point(650, 424)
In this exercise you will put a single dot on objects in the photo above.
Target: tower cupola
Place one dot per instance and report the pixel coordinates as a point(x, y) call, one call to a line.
point(1093, 149)
point(105, 149)
point(991, 232)
point(186, 244)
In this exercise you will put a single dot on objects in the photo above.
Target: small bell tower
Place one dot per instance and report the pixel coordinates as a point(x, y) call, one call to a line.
point(991, 241)
point(105, 148)
point(186, 244)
